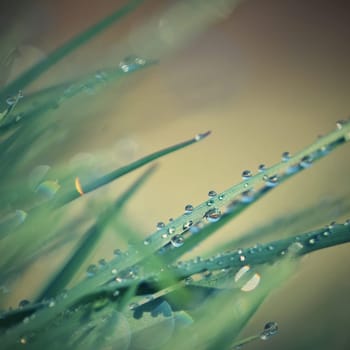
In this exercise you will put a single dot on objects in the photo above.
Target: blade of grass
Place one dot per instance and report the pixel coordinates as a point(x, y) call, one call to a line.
point(34, 72)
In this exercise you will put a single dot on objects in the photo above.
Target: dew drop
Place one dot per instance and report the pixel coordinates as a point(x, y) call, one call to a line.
point(213, 215)
point(331, 225)
point(270, 329)
point(114, 271)
point(188, 209)
point(246, 174)
point(91, 270)
point(347, 222)
point(164, 235)
point(247, 196)
point(131, 63)
point(160, 225)
point(212, 194)
point(221, 197)
point(201, 136)
point(37, 175)
point(340, 123)
point(117, 252)
point(171, 230)
point(285, 156)
point(102, 263)
point(21, 216)
point(312, 241)
point(271, 181)
point(177, 241)
point(23, 303)
point(133, 306)
point(210, 202)
point(306, 162)
point(241, 258)
point(187, 225)
point(23, 340)
point(147, 241)
point(261, 168)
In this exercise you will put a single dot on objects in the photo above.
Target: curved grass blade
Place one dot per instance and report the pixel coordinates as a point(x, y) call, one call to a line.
point(72, 193)
point(33, 73)
point(90, 240)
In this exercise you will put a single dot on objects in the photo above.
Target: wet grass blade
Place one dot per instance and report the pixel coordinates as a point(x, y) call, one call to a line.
point(90, 240)
point(72, 193)
point(34, 72)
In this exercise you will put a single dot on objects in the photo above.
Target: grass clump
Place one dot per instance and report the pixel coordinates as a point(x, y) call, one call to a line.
point(148, 296)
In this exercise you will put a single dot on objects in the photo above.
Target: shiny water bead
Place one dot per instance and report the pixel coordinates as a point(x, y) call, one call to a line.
point(347, 222)
point(306, 162)
point(177, 241)
point(247, 196)
point(23, 303)
point(187, 225)
point(270, 329)
point(133, 306)
point(131, 63)
point(164, 235)
point(101, 75)
point(47, 189)
point(160, 225)
point(212, 194)
point(37, 175)
point(117, 252)
point(23, 340)
point(102, 263)
point(201, 136)
point(91, 270)
point(246, 174)
point(221, 197)
point(241, 258)
point(331, 225)
point(210, 202)
point(171, 230)
point(147, 241)
point(261, 168)
point(188, 209)
point(285, 156)
point(312, 241)
point(340, 123)
point(213, 215)
point(271, 181)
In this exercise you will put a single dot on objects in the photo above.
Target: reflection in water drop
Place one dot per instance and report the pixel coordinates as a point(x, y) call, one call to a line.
point(247, 279)
point(270, 329)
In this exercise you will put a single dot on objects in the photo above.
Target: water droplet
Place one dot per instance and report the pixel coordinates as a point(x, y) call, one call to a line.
point(102, 263)
point(119, 279)
point(306, 162)
point(147, 241)
point(101, 75)
point(312, 241)
point(164, 235)
point(261, 168)
point(160, 225)
point(133, 306)
point(212, 193)
point(247, 196)
point(188, 209)
point(114, 271)
point(246, 174)
point(91, 270)
point(247, 279)
point(177, 241)
point(331, 225)
point(210, 202)
point(187, 225)
point(199, 137)
point(131, 63)
point(242, 258)
point(171, 230)
point(52, 303)
point(271, 181)
point(340, 123)
point(213, 215)
point(23, 303)
point(285, 156)
point(117, 252)
point(23, 340)
point(221, 197)
point(347, 222)
point(270, 329)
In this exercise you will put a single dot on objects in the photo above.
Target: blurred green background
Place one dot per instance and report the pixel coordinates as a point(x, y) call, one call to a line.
point(266, 78)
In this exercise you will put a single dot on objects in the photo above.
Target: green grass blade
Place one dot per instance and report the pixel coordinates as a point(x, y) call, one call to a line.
point(71, 193)
point(90, 240)
point(33, 73)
